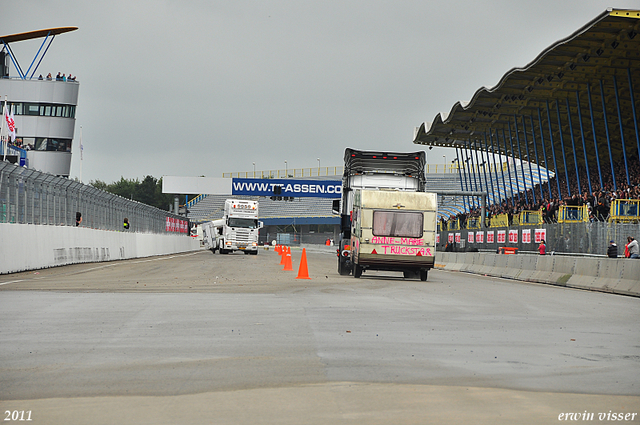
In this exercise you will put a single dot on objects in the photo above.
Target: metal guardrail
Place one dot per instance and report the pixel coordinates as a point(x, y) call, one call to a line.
point(569, 238)
point(453, 224)
point(573, 214)
point(473, 223)
point(499, 220)
point(625, 211)
point(28, 196)
point(529, 218)
point(338, 171)
point(288, 173)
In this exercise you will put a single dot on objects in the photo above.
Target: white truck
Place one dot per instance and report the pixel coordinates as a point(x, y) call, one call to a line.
point(388, 221)
point(238, 229)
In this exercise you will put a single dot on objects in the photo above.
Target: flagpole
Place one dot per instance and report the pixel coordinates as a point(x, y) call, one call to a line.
point(4, 118)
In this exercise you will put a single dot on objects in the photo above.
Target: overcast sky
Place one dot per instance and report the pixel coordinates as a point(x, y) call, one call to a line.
point(205, 87)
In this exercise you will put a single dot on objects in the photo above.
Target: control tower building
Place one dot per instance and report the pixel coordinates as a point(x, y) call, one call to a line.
point(44, 107)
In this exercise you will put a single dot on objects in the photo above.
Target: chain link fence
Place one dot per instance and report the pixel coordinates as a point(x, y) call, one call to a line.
point(31, 197)
point(571, 238)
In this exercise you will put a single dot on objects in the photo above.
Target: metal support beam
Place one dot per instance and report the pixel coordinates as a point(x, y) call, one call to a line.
point(553, 151)
point(584, 146)
point(504, 137)
point(535, 150)
point(526, 145)
point(473, 169)
point(606, 127)
point(473, 185)
point(564, 153)
point(544, 154)
point(515, 168)
point(464, 201)
point(593, 130)
point(524, 180)
point(633, 110)
point(573, 146)
point(467, 179)
point(485, 148)
point(624, 148)
point(475, 152)
point(495, 169)
point(482, 195)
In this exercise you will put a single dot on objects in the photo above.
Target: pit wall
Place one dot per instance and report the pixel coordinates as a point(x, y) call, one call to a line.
point(618, 276)
point(30, 247)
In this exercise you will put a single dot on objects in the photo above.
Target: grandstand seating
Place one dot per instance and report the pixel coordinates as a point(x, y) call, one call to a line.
point(211, 207)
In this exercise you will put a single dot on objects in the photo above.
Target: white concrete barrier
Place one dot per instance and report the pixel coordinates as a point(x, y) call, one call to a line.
point(620, 276)
point(31, 247)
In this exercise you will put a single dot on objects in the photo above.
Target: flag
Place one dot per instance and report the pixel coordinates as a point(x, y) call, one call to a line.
point(11, 124)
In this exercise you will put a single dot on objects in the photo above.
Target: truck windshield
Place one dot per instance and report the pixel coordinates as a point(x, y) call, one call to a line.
point(248, 223)
point(402, 224)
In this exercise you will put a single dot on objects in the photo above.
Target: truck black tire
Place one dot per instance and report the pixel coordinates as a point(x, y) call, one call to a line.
point(357, 271)
point(253, 252)
point(423, 275)
point(342, 267)
point(409, 274)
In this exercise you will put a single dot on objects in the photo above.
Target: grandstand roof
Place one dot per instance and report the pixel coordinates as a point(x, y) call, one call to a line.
point(605, 50)
point(35, 34)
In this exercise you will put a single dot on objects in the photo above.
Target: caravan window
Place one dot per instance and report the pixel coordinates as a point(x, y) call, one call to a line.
point(401, 224)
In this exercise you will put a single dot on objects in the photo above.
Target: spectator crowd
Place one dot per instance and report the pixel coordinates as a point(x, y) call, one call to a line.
point(598, 200)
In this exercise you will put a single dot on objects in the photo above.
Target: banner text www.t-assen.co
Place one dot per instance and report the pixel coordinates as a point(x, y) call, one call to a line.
point(288, 187)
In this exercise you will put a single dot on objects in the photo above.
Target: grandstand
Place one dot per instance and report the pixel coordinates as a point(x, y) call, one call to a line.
point(573, 110)
point(305, 210)
point(493, 181)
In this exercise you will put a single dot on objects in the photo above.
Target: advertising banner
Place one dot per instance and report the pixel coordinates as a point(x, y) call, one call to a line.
point(287, 187)
point(176, 225)
point(470, 237)
point(457, 237)
point(502, 236)
point(491, 236)
point(526, 235)
point(480, 237)
point(513, 236)
point(540, 235)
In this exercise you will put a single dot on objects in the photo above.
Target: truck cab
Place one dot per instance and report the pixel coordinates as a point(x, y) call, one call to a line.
point(237, 230)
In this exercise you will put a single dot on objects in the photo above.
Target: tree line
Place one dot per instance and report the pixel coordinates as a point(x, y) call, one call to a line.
point(148, 191)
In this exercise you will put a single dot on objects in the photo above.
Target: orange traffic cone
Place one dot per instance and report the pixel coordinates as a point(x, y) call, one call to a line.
point(287, 263)
point(283, 254)
point(303, 272)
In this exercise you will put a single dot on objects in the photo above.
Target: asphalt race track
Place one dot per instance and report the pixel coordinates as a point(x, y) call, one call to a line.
point(233, 339)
